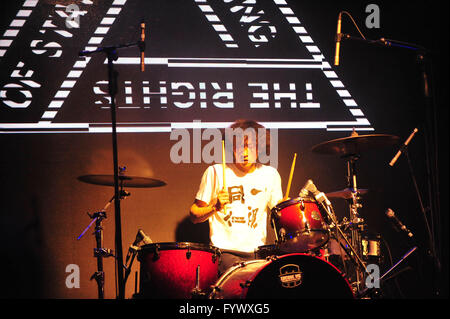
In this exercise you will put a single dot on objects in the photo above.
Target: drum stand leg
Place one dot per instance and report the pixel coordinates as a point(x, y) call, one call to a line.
point(197, 293)
point(99, 251)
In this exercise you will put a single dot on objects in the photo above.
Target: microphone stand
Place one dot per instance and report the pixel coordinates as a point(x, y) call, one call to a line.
point(379, 280)
point(431, 135)
point(112, 55)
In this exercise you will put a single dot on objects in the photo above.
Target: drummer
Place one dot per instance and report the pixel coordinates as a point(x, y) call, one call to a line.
point(238, 215)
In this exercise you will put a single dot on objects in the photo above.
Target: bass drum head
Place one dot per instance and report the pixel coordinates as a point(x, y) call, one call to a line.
point(299, 276)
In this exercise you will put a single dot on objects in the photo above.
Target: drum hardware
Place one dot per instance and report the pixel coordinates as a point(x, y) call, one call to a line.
point(188, 253)
point(245, 284)
point(216, 255)
point(349, 248)
point(156, 253)
point(197, 293)
point(99, 251)
point(350, 148)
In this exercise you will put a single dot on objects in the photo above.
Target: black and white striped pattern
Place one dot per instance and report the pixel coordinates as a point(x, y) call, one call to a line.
point(79, 66)
point(16, 24)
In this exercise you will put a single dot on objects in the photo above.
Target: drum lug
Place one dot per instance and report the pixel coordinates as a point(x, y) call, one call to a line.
point(188, 253)
point(157, 253)
point(302, 205)
point(245, 284)
point(215, 290)
point(275, 214)
point(216, 255)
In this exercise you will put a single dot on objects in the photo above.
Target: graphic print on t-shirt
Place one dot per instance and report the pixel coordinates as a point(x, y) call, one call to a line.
point(236, 194)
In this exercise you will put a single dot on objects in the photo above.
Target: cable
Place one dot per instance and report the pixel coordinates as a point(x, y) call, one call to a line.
point(357, 28)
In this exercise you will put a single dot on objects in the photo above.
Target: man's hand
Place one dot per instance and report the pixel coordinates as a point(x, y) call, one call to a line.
point(222, 199)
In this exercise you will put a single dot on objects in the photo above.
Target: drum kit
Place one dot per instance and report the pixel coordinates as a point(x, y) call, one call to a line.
point(314, 255)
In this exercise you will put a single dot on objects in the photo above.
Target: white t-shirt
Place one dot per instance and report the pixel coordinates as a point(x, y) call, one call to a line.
point(243, 225)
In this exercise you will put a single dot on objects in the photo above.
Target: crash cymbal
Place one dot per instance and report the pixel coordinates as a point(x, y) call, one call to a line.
point(346, 193)
point(125, 181)
point(355, 144)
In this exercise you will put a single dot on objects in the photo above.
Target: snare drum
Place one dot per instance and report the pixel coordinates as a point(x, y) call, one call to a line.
point(169, 270)
point(371, 248)
point(300, 225)
point(292, 276)
point(267, 250)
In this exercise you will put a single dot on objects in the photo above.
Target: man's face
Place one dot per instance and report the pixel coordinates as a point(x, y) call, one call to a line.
point(245, 155)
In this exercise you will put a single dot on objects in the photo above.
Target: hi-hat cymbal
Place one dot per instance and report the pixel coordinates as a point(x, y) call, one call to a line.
point(355, 144)
point(346, 193)
point(125, 181)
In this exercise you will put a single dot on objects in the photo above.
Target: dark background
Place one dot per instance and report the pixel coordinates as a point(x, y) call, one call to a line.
point(44, 205)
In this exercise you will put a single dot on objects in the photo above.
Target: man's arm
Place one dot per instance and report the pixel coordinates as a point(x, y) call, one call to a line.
point(201, 211)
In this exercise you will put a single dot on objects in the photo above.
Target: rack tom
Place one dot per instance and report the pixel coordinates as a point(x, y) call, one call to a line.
point(300, 225)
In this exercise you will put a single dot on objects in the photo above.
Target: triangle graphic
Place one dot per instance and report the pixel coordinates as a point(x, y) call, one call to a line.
point(251, 13)
point(246, 13)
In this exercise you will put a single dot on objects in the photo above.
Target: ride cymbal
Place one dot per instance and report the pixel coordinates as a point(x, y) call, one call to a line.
point(355, 144)
point(125, 181)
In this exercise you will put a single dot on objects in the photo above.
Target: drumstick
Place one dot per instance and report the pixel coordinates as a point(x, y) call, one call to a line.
point(290, 177)
point(223, 164)
point(223, 169)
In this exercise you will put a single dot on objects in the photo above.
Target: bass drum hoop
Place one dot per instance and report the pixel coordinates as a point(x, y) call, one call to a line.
point(258, 275)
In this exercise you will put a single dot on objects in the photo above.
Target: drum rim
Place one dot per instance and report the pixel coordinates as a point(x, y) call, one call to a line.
point(177, 245)
point(293, 201)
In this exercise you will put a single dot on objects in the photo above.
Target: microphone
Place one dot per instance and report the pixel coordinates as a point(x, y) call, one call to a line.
point(140, 237)
point(403, 147)
point(338, 40)
point(391, 215)
point(142, 46)
point(318, 195)
point(305, 190)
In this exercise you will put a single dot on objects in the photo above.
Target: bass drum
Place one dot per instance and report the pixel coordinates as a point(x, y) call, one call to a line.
point(169, 270)
point(293, 276)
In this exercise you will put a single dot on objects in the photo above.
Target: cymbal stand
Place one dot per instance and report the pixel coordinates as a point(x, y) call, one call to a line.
point(357, 223)
point(99, 251)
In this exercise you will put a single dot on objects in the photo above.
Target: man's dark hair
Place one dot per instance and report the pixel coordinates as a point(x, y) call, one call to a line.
point(262, 137)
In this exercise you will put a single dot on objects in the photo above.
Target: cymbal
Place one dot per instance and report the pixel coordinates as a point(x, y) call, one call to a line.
point(125, 181)
point(355, 144)
point(346, 193)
